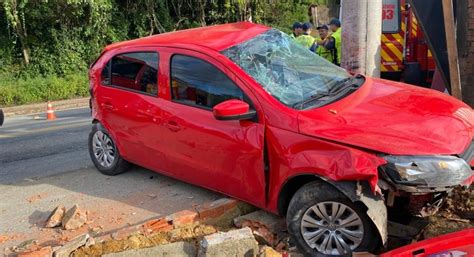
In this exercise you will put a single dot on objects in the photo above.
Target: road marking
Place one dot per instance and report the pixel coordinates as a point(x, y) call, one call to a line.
point(48, 129)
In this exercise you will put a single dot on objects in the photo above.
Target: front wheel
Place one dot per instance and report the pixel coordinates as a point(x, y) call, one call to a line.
point(104, 153)
point(323, 222)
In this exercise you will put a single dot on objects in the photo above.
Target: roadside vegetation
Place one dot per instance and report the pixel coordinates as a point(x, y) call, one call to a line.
point(47, 46)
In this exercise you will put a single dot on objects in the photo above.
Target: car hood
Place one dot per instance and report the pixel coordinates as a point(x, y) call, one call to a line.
point(393, 118)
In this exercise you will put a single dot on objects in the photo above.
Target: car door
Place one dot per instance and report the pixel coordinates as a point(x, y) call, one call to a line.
point(223, 155)
point(129, 102)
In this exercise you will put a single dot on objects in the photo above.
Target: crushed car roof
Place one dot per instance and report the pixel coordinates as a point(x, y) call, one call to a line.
point(217, 37)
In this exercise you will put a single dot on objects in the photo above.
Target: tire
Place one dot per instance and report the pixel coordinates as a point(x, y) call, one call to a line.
point(111, 163)
point(314, 196)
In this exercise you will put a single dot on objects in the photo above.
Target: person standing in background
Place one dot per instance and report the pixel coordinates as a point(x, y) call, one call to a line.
point(335, 27)
point(306, 39)
point(297, 30)
point(321, 44)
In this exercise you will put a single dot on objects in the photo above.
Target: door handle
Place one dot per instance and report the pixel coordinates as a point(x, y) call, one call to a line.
point(173, 126)
point(108, 106)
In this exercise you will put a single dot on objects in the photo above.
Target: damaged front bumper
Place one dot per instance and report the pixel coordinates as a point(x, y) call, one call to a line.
point(419, 184)
point(426, 172)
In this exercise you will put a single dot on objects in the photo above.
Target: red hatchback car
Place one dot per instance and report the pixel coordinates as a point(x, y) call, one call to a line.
point(244, 110)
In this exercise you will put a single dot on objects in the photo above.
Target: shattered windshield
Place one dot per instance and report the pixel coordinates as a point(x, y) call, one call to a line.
point(286, 70)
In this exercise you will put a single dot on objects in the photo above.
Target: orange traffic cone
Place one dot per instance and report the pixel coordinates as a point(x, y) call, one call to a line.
point(50, 115)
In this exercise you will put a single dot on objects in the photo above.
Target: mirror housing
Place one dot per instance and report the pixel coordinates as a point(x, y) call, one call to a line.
point(233, 109)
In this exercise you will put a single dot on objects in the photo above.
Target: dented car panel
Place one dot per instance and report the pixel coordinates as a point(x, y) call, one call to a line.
point(293, 154)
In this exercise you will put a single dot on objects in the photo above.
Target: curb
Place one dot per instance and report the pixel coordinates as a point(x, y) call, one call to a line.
point(41, 107)
point(205, 215)
point(169, 227)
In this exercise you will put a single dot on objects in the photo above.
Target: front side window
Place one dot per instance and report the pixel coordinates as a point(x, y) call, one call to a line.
point(197, 82)
point(286, 70)
point(133, 71)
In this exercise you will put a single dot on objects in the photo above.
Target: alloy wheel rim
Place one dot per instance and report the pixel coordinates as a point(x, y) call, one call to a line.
point(104, 149)
point(332, 228)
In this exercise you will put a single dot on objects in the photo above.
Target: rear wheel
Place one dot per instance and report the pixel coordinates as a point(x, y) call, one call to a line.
point(323, 222)
point(104, 153)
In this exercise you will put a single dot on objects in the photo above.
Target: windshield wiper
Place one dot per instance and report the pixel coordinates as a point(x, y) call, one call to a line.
point(342, 86)
point(310, 99)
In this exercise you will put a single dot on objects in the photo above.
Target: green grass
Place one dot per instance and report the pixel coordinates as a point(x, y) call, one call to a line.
point(40, 89)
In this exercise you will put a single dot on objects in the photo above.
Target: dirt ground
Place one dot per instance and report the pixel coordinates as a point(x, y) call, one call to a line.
point(456, 214)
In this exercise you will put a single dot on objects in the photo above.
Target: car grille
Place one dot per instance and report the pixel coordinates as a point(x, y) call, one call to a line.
point(468, 155)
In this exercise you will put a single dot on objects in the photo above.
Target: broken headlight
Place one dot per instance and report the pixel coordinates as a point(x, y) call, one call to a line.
point(427, 170)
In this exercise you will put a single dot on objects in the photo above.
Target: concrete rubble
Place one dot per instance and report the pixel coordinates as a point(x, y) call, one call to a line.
point(26, 245)
point(71, 246)
point(239, 242)
point(55, 219)
point(74, 218)
point(266, 227)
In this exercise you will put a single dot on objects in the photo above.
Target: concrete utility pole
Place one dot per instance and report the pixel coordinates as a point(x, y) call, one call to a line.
point(361, 36)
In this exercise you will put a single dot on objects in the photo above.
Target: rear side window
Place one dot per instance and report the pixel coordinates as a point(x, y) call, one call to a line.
point(197, 82)
point(133, 71)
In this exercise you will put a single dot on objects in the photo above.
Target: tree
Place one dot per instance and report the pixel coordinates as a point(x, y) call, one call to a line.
point(15, 13)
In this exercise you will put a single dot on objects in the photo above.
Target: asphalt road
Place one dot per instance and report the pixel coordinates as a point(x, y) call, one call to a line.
point(46, 163)
point(33, 147)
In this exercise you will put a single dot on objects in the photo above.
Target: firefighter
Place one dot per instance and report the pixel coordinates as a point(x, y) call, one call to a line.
point(321, 43)
point(334, 41)
point(297, 30)
point(306, 39)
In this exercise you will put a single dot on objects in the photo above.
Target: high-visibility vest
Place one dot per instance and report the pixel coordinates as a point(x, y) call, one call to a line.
point(337, 37)
point(323, 52)
point(305, 40)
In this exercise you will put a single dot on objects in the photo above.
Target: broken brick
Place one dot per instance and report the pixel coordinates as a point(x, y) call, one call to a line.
point(216, 208)
point(262, 234)
point(182, 218)
point(124, 233)
point(55, 217)
point(43, 252)
point(158, 225)
point(74, 218)
point(281, 246)
point(4, 238)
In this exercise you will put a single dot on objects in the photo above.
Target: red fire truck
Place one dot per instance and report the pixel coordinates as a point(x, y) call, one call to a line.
point(405, 53)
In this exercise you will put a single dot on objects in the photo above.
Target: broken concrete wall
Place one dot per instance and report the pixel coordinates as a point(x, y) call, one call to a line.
point(465, 34)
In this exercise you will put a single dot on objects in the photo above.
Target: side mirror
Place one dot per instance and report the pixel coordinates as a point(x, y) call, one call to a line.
point(233, 110)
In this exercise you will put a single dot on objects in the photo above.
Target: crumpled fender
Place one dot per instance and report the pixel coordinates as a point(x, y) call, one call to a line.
point(292, 154)
point(376, 208)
